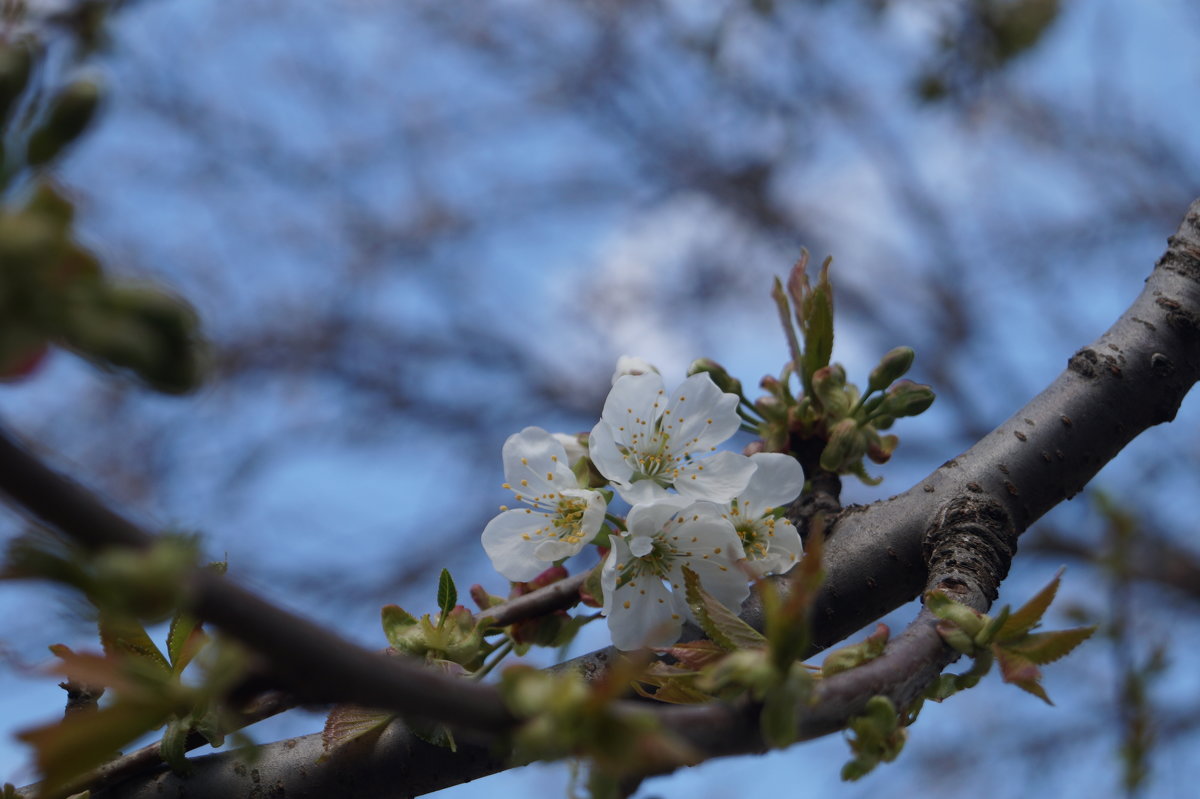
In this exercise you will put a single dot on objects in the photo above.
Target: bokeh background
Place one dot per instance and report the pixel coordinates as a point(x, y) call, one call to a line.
point(412, 229)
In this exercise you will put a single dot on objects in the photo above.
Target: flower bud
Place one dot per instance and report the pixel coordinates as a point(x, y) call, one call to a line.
point(631, 365)
point(907, 398)
point(847, 443)
point(956, 638)
point(482, 599)
point(891, 367)
point(880, 448)
point(15, 64)
point(68, 117)
point(770, 408)
point(829, 384)
point(715, 371)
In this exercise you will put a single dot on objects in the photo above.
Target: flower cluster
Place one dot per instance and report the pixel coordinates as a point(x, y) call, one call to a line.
point(718, 513)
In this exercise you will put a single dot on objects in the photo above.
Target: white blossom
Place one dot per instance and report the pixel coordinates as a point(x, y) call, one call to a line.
point(772, 545)
point(559, 517)
point(642, 578)
point(647, 442)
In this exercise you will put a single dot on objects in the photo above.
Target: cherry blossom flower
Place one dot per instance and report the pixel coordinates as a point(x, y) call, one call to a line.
point(643, 575)
point(772, 545)
point(559, 519)
point(647, 442)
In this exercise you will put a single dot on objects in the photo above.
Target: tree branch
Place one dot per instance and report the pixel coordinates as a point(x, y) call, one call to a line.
point(1134, 376)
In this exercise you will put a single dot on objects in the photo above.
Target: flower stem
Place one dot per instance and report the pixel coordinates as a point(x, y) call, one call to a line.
point(500, 653)
point(616, 521)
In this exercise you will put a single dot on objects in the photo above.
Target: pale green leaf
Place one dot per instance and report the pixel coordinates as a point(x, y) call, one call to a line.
point(1030, 614)
point(1047, 647)
point(173, 746)
point(123, 635)
point(720, 623)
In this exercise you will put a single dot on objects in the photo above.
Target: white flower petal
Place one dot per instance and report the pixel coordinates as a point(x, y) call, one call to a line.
point(640, 545)
point(709, 546)
point(643, 492)
point(630, 409)
point(784, 550)
point(717, 479)
point(650, 518)
point(642, 612)
point(700, 416)
point(777, 481)
point(608, 460)
point(535, 464)
point(522, 543)
point(510, 540)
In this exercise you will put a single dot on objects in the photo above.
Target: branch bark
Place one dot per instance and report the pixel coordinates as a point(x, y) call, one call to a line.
point(878, 557)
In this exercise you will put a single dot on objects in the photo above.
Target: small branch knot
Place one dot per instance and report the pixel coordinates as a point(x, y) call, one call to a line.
point(970, 545)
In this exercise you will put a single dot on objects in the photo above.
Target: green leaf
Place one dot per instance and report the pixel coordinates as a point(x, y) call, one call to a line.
point(396, 622)
point(173, 747)
point(347, 723)
point(447, 596)
point(785, 317)
point(1030, 614)
point(592, 590)
point(1047, 647)
point(818, 327)
point(720, 623)
point(860, 471)
point(432, 733)
point(778, 719)
point(69, 749)
point(121, 635)
point(185, 639)
point(1021, 672)
point(875, 736)
point(944, 687)
point(209, 725)
point(676, 691)
point(696, 655)
point(855, 655)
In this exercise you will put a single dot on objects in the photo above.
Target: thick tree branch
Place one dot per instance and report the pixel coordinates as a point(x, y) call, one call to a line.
point(315, 664)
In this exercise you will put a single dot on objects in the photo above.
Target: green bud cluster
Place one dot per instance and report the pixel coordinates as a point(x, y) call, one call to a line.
point(566, 716)
point(16, 63)
point(876, 736)
point(70, 113)
point(828, 408)
point(144, 584)
point(1008, 638)
point(53, 291)
point(456, 637)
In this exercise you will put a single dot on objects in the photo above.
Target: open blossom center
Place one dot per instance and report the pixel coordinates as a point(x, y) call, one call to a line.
point(558, 518)
point(651, 458)
point(568, 523)
point(648, 442)
point(756, 536)
point(652, 558)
